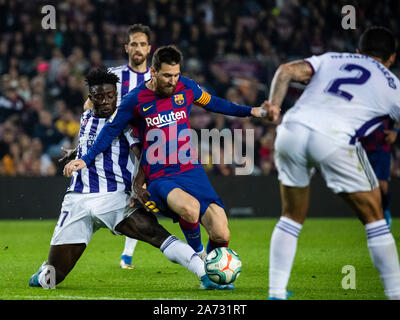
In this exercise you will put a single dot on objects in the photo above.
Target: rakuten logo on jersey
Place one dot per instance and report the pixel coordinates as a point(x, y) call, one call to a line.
point(162, 120)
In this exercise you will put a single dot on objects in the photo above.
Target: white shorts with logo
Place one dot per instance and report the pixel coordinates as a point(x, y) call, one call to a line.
point(82, 214)
point(299, 150)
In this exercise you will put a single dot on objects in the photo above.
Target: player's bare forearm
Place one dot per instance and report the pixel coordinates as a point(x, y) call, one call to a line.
point(298, 71)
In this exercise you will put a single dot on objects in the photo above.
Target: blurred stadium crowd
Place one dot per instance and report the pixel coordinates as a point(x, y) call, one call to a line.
point(231, 48)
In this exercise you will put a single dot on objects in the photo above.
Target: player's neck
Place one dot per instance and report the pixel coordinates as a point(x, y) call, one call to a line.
point(386, 63)
point(151, 84)
point(141, 68)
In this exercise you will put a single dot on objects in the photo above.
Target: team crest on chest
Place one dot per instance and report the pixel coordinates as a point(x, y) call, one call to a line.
point(179, 99)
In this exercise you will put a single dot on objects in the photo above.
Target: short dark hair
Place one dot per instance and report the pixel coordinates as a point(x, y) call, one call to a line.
point(166, 54)
point(101, 76)
point(135, 28)
point(377, 42)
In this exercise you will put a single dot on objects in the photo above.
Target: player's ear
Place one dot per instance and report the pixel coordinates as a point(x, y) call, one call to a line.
point(392, 58)
point(389, 62)
point(126, 48)
point(153, 71)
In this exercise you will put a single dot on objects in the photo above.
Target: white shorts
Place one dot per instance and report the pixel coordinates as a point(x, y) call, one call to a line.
point(299, 150)
point(82, 214)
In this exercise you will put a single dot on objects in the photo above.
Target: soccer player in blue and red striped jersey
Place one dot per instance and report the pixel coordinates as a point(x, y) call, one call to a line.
point(159, 110)
point(377, 145)
point(99, 197)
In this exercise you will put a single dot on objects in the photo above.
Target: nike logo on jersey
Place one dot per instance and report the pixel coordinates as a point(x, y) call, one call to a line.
point(145, 109)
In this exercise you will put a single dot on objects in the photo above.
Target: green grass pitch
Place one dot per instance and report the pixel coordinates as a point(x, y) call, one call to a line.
point(325, 246)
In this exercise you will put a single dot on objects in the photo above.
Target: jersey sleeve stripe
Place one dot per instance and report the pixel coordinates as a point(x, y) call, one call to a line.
point(311, 66)
point(204, 99)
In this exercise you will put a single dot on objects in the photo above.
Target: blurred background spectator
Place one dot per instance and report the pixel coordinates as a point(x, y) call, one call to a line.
point(231, 48)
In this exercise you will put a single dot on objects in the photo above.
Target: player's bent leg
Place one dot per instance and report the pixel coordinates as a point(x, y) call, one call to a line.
point(380, 242)
point(366, 204)
point(386, 197)
point(283, 244)
point(192, 234)
point(179, 252)
point(185, 205)
point(63, 259)
point(295, 202)
point(215, 222)
point(143, 226)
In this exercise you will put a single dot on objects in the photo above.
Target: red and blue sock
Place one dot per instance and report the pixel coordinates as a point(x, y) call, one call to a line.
point(192, 234)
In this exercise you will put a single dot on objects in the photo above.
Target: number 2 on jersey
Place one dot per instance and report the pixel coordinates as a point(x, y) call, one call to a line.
point(361, 78)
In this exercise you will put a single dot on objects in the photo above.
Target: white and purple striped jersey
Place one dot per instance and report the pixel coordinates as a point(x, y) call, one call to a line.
point(113, 169)
point(128, 79)
point(349, 96)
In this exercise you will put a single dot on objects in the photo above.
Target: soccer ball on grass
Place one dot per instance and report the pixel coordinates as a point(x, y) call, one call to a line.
point(223, 265)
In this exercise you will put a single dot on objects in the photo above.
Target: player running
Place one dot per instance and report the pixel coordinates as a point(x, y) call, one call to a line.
point(160, 111)
point(99, 197)
point(348, 95)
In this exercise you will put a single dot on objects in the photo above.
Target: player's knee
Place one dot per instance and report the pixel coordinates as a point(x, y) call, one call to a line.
point(191, 211)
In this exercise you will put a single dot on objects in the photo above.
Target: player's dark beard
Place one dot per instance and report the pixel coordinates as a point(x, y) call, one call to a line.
point(138, 60)
point(165, 91)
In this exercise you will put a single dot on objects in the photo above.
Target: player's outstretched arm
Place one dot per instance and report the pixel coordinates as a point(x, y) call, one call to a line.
point(219, 105)
point(298, 71)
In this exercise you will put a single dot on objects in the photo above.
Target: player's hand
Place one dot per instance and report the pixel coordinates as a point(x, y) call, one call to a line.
point(73, 165)
point(88, 105)
point(258, 112)
point(69, 154)
point(140, 194)
point(272, 111)
point(391, 136)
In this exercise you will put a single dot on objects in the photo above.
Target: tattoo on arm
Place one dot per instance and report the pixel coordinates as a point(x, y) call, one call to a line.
point(298, 70)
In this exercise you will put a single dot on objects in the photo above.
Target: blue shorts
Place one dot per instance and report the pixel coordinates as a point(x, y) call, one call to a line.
point(193, 181)
point(380, 162)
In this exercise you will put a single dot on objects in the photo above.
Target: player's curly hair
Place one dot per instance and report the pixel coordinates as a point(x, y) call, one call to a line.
point(100, 76)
